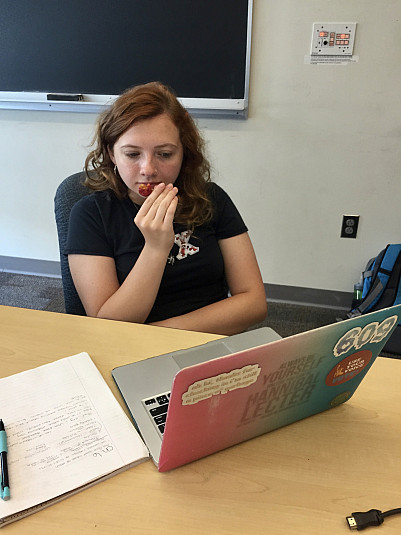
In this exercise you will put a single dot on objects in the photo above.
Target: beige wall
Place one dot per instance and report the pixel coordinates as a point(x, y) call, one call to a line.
point(320, 141)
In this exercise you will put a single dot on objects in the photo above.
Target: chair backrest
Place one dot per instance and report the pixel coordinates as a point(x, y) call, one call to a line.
point(67, 194)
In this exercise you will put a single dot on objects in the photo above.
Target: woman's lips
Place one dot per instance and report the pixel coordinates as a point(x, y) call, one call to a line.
point(146, 188)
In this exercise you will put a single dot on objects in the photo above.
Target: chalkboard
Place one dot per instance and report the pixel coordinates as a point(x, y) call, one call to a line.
point(99, 48)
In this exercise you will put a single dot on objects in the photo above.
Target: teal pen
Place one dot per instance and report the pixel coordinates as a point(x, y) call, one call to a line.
point(5, 485)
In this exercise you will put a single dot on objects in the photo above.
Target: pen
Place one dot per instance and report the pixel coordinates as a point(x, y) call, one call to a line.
point(5, 486)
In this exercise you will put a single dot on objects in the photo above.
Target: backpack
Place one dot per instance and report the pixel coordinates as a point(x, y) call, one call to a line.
point(382, 288)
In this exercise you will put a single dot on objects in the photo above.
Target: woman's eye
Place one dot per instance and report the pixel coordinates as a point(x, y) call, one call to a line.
point(132, 154)
point(165, 155)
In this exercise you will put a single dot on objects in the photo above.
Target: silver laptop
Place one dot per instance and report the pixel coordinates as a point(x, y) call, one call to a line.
point(151, 378)
point(191, 403)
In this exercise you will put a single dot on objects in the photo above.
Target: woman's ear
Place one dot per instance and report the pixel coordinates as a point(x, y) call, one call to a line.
point(111, 154)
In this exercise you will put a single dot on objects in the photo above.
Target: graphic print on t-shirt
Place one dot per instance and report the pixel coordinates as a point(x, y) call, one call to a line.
point(184, 247)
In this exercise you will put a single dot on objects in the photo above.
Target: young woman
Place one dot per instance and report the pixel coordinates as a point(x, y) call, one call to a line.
point(158, 242)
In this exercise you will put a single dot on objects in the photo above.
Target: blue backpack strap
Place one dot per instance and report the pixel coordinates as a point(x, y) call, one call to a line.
point(370, 272)
point(374, 293)
point(367, 275)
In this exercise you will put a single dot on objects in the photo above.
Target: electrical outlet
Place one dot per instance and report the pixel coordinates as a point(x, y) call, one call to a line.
point(349, 226)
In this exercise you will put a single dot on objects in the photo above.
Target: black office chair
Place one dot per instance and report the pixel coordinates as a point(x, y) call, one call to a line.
point(67, 194)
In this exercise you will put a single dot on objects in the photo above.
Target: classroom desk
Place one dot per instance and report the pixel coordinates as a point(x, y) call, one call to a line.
point(301, 479)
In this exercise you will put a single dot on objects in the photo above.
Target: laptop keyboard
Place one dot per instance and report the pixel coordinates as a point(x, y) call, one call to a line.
point(157, 407)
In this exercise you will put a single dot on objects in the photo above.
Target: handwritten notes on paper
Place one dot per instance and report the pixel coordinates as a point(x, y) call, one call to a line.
point(65, 430)
point(73, 425)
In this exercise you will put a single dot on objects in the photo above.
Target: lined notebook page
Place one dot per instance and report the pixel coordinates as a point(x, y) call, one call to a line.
point(65, 430)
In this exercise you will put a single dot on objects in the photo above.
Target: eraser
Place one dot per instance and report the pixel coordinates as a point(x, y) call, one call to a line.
point(69, 98)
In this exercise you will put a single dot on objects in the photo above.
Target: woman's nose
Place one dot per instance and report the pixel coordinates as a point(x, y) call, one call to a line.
point(148, 167)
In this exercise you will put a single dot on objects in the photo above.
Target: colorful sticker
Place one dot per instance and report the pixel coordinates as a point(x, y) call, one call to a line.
point(340, 398)
point(221, 384)
point(358, 337)
point(348, 368)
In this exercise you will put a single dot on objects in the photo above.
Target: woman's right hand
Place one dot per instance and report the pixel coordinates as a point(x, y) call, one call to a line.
point(156, 215)
point(96, 279)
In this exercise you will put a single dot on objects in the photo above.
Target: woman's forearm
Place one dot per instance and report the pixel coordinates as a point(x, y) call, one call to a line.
point(229, 316)
point(134, 299)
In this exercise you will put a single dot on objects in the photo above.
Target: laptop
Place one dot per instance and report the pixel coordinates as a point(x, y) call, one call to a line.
point(191, 403)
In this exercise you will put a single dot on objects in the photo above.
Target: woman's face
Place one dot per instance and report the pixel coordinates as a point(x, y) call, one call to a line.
point(148, 153)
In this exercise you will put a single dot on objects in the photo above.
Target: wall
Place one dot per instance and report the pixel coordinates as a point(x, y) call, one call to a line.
point(321, 141)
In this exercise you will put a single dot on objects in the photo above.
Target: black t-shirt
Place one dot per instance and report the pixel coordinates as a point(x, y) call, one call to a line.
point(102, 225)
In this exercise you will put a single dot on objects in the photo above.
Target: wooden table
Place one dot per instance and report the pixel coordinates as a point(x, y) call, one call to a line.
point(302, 479)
